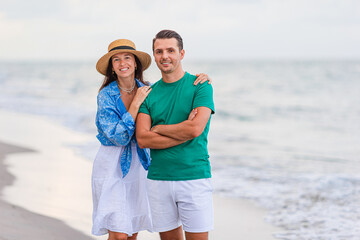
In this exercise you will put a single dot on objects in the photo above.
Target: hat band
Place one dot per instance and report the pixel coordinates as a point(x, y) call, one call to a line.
point(122, 47)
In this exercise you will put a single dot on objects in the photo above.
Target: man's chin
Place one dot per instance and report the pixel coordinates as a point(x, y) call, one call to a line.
point(166, 71)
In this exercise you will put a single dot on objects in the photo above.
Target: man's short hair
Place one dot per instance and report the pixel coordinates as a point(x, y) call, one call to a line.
point(164, 34)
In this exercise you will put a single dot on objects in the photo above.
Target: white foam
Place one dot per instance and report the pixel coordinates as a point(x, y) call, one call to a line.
point(307, 206)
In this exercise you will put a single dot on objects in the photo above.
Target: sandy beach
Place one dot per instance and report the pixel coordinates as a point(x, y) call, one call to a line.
point(19, 223)
point(46, 192)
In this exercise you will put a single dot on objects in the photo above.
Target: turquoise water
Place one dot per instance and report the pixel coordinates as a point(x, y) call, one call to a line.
point(285, 134)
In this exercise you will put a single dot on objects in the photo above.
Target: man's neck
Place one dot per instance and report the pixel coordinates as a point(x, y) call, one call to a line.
point(173, 77)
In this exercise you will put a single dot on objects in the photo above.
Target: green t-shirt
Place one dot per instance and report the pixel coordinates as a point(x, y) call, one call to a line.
point(171, 103)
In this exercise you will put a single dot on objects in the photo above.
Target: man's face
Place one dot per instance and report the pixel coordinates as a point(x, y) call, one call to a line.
point(167, 55)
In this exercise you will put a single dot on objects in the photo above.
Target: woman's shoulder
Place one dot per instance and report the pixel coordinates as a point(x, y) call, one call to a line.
point(110, 89)
point(142, 83)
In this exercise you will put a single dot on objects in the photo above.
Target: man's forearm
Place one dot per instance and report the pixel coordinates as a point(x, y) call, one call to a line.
point(150, 139)
point(188, 129)
point(183, 131)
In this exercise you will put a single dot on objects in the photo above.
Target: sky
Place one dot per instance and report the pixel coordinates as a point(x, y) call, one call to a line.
point(211, 29)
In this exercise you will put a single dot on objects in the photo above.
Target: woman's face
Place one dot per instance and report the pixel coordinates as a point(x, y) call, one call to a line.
point(124, 65)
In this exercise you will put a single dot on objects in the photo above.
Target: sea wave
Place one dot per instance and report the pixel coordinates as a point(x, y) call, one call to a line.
point(306, 206)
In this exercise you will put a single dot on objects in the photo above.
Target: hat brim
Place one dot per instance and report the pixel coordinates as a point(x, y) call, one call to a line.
point(102, 64)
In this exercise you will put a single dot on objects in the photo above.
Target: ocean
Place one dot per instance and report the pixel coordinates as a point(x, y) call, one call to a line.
point(286, 134)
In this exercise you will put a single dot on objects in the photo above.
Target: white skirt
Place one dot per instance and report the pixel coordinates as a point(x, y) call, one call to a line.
point(119, 204)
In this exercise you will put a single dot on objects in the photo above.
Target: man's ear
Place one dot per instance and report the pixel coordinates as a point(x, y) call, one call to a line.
point(182, 53)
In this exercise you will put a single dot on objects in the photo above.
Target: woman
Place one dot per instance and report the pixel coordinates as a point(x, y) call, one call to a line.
point(119, 172)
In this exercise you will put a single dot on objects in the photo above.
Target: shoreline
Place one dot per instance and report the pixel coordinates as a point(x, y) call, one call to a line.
point(19, 223)
point(63, 202)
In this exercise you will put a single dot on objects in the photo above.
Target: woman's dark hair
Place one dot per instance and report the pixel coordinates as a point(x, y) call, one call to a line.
point(110, 76)
point(164, 34)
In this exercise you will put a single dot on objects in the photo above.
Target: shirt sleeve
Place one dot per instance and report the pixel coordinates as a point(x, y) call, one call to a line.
point(144, 107)
point(204, 97)
point(117, 129)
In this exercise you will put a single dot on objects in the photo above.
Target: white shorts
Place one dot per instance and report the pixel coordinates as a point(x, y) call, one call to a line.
point(175, 203)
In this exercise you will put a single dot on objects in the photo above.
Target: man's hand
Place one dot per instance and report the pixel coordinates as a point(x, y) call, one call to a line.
point(201, 78)
point(192, 114)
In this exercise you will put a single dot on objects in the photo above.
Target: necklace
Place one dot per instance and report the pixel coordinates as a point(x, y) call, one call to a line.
point(128, 90)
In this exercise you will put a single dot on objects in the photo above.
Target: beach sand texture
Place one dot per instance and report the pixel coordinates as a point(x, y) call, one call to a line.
point(19, 223)
point(46, 192)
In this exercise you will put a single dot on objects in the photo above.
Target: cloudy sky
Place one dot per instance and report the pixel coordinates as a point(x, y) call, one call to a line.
point(211, 29)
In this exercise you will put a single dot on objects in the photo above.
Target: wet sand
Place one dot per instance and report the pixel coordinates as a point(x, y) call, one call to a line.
point(19, 223)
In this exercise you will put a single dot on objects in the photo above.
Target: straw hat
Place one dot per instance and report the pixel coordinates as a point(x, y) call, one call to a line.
point(118, 46)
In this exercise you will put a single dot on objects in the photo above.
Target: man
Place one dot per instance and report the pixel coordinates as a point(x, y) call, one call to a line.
point(174, 122)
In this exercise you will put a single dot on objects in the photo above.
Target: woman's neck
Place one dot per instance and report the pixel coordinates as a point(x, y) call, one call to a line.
point(126, 83)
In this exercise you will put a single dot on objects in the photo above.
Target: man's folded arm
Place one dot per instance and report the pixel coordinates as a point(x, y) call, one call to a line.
point(149, 139)
point(187, 129)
